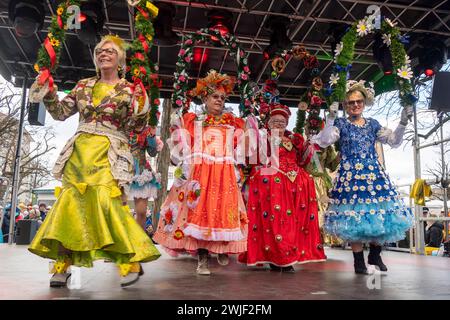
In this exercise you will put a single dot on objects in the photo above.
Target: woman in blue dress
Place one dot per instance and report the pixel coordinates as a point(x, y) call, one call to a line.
point(365, 206)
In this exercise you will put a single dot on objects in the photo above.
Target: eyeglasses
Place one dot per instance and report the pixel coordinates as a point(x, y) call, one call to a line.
point(218, 96)
point(108, 51)
point(352, 102)
point(282, 122)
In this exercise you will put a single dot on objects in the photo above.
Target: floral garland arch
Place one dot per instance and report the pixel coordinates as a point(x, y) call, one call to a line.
point(179, 97)
point(344, 54)
point(50, 51)
point(311, 101)
point(143, 71)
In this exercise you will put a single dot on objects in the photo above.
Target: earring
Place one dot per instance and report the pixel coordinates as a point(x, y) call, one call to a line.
point(121, 72)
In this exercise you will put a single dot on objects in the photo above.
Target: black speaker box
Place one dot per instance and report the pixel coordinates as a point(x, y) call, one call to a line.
point(440, 99)
point(36, 114)
point(26, 230)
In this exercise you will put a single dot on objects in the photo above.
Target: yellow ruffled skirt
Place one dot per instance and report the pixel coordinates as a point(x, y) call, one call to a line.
point(88, 221)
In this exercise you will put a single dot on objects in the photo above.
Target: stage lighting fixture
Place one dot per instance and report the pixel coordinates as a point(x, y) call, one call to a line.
point(279, 39)
point(164, 35)
point(433, 55)
point(26, 16)
point(92, 19)
point(220, 20)
point(200, 56)
point(382, 54)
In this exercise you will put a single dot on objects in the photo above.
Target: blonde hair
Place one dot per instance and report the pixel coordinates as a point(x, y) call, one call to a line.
point(121, 54)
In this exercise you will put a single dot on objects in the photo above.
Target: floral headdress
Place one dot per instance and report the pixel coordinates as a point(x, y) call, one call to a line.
point(118, 41)
point(212, 82)
point(367, 91)
point(278, 108)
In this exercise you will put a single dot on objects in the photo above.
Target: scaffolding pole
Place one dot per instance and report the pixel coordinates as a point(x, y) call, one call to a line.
point(15, 183)
point(419, 238)
point(444, 180)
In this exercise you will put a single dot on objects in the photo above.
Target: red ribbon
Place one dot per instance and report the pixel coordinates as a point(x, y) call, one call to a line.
point(46, 75)
point(144, 42)
point(138, 81)
point(142, 11)
point(60, 23)
point(51, 52)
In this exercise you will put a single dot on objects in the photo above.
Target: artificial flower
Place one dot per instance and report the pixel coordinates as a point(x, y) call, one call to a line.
point(405, 72)
point(363, 28)
point(338, 49)
point(386, 39)
point(390, 23)
point(334, 78)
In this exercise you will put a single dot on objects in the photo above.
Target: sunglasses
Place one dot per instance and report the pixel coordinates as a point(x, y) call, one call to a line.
point(353, 102)
point(219, 96)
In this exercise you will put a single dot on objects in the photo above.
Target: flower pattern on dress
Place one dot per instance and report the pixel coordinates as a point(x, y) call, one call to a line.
point(193, 194)
point(170, 214)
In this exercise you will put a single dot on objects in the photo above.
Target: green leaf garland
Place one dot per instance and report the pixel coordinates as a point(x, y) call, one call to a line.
point(179, 97)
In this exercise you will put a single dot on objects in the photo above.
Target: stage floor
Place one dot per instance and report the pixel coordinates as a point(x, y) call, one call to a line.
point(25, 276)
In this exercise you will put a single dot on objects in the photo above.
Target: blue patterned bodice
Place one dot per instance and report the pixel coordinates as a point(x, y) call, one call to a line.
point(357, 140)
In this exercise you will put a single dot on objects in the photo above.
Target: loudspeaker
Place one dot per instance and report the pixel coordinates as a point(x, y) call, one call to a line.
point(36, 114)
point(440, 99)
point(26, 229)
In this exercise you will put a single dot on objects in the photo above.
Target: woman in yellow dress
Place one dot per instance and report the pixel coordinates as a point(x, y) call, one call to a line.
point(90, 219)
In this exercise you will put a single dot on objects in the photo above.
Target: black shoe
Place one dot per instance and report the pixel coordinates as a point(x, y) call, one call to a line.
point(274, 268)
point(131, 278)
point(359, 264)
point(59, 280)
point(375, 258)
point(289, 269)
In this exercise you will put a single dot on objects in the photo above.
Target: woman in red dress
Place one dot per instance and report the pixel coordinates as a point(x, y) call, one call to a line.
point(282, 205)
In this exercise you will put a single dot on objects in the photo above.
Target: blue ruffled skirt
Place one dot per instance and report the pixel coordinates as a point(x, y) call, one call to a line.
point(365, 206)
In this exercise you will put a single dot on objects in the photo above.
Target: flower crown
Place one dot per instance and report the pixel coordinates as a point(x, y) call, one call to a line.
point(122, 44)
point(367, 91)
point(212, 82)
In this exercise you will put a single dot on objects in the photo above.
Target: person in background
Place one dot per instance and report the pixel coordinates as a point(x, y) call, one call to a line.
point(435, 233)
point(34, 214)
point(6, 221)
point(43, 211)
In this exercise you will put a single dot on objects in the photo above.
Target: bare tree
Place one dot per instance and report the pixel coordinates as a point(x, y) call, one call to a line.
point(36, 144)
point(163, 159)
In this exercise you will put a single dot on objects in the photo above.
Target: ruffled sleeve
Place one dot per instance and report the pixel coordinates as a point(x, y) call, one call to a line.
point(305, 150)
point(392, 138)
point(61, 110)
point(329, 135)
point(182, 136)
point(139, 109)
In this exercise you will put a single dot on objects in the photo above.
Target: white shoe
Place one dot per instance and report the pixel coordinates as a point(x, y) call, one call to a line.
point(202, 268)
point(223, 259)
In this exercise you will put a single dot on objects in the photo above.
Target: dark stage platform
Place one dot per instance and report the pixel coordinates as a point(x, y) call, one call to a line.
point(25, 276)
